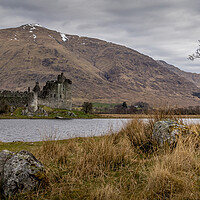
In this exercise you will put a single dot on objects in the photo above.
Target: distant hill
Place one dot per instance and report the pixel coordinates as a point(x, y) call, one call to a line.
point(192, 77)
point(100, 71)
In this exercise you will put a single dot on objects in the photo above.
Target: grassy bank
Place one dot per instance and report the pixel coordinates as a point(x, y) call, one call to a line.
point(124, 165)
point(52, 113)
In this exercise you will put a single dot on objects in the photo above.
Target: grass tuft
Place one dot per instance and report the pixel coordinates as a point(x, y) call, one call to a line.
point(175, 175)
point(139, 135)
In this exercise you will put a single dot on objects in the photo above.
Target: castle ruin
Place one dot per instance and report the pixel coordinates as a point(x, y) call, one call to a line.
point(55, 94)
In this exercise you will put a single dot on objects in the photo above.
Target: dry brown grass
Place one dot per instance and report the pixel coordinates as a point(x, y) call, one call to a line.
point(139, 135)
point(125, 165)
point(98, 157)
point(70, 165)
point(108, 192)
point(175, 175)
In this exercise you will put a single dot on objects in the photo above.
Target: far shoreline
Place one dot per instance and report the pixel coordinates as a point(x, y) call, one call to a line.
point(99, 116)
point(142, 116)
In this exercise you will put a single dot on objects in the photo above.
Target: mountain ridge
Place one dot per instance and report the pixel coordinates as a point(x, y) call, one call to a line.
point(100, 71)
point(192, 77)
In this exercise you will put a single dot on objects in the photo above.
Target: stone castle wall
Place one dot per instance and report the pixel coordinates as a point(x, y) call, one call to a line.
point(15, 98)
point(55, 94)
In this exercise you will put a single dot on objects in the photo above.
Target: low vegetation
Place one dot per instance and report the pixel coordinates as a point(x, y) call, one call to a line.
point(87, 107)
point(4, 107)
point(141, 108)
point(52, 113)
point(123, 165)
point(123, 108)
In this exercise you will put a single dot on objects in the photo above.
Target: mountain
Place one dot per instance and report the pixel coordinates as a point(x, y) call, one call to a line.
point(100, 71)
point(192, 77)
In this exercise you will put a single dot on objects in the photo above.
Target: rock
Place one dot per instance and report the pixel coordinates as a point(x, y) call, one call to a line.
point(166, 131)
point(71, 114)
point(22, 172)
point(4, 156)
point(23, 112)
point(30, 114)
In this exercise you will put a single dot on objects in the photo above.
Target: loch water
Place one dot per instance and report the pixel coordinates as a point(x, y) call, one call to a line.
point(30, 130)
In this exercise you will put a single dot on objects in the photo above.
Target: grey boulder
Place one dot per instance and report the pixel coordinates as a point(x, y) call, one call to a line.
point(22, 172)
point(167, 131)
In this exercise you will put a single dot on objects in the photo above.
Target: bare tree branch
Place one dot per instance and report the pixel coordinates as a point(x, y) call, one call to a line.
point(196, 54)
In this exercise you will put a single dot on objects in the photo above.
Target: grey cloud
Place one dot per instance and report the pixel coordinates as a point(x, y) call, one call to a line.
point(166, 29)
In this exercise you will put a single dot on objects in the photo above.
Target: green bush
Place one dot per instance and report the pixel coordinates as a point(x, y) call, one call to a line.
point(4, 107)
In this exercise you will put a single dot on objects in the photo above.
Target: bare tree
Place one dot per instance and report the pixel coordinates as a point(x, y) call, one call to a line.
point(196, 54)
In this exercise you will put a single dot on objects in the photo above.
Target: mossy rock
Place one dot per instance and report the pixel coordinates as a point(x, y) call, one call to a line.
point(22, 173)
point(167, 131)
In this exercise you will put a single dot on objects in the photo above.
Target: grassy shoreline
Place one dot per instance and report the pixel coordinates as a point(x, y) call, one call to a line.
point(118, 165)
point(136, 116)
point(82, 115)
point(52, 114)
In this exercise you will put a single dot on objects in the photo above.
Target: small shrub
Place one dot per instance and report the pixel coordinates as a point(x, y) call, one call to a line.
point(4, 107)
point(87, 107)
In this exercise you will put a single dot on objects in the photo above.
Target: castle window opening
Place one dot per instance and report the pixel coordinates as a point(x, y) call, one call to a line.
point(54, 95)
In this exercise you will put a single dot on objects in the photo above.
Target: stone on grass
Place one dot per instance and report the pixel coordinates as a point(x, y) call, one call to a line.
point(22, 173)
point(71, 114)
point(167, 131)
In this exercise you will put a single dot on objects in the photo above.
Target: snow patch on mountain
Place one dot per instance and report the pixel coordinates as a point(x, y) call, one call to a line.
point(33, 26)
point(34, 36)
point(64, 37)
point(15, 38)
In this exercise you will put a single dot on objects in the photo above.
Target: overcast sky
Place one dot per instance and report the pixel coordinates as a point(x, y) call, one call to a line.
point(163, 29)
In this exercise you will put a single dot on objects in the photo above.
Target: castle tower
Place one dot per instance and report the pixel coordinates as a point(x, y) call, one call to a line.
point(33, 98)
point(63, 92)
